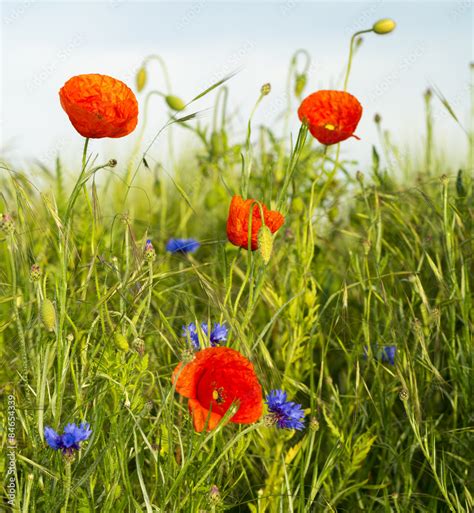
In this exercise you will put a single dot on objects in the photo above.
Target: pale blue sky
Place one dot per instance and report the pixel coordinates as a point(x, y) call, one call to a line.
point(44, 43)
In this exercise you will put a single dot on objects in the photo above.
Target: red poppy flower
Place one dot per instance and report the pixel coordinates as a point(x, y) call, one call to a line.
point(238, 221)
point(332, 116)
point(216, 378)
point(99, 106)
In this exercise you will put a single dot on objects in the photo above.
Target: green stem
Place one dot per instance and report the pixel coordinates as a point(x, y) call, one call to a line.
point(351, 54)
point(67, 486)
point(136, 149)
point(163, 68)
point(64, 282)
point(247, 168)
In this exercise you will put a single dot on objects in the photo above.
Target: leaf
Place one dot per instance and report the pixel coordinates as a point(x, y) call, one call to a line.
point(213, 86)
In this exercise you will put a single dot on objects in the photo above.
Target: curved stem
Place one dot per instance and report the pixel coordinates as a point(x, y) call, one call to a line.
point(247, 168)
point(351, 54)
point(163, 67)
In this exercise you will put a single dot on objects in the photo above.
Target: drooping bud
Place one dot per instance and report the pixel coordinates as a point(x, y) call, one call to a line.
point(112, 163)
point(121, 342)
point(265, 89)
point(175, 103)
point(48, 314)
point(7, 224)
point(141, 79)
point(300, 84)
point(384, 26)
point(149, 252)
point(265, 243)
point(35, 272)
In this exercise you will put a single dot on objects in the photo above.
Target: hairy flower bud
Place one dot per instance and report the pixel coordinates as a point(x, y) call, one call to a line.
point(48, 314)
point(265, 243)
point(384, 26)
point(141, 79)
point(300, 84)
point(121, 342)
point(175, 103)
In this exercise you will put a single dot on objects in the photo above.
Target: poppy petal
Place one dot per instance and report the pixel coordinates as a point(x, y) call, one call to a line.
point(201, 416)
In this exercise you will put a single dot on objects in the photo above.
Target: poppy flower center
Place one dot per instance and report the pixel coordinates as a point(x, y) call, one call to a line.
point(329, 126)
point(212, 394)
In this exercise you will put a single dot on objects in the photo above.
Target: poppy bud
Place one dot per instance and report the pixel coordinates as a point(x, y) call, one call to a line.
point(6, 223)
point(121, 342)
point(300, 84)
point(377, 119)
point(141, 79)
point(48, 314)
point(112, 163)
point(265, 89)
point(175, 103)
point(384, 26)
point(35, 272)
point(298, 205)
point(265, 243)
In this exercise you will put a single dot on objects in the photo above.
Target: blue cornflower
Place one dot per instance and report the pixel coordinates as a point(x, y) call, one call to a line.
point(386, 354)
point(217, 336)
point(191, 331)
point(286, 414)
point(182, 245)
point(71, 438)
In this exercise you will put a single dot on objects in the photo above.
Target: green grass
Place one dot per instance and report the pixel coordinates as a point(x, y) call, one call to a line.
point(381, 258)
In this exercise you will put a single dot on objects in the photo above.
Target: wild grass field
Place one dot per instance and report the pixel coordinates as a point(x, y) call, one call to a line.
point(359, 307)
